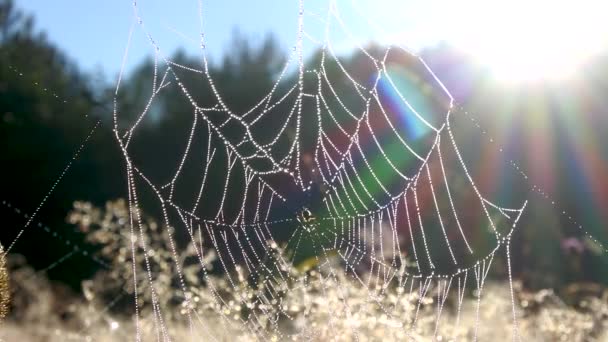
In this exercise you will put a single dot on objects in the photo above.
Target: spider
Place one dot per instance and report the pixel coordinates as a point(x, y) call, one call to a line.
point(315, 195)
point(306, 217)
point(311, 204)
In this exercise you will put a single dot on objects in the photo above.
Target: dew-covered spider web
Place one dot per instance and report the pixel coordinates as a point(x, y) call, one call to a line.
point(345, 174)
point(343, 193)
point(345, 170)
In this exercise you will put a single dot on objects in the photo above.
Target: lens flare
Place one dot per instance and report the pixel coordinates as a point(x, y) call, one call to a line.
point(530, 40)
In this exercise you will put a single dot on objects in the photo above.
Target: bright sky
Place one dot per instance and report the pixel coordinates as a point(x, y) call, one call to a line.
point(95, 32)
point(515, 38)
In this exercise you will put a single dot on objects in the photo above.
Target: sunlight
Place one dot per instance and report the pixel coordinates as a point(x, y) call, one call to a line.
point(523, 41)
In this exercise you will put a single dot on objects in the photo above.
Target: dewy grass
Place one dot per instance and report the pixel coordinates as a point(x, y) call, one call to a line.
point(323, 307)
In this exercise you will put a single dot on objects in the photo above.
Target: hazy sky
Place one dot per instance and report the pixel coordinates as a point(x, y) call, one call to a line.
point(95, 32)
point(511, 37)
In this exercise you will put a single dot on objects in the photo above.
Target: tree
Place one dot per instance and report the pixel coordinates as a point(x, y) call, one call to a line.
point(45, 102)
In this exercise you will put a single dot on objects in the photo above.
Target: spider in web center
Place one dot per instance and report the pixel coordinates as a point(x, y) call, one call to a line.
point(314, 197)
point(307, 219)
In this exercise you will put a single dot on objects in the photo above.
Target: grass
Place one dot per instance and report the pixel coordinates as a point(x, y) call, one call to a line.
point(322, 304)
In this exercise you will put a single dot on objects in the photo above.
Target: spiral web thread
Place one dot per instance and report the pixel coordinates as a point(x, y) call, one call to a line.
point(355, 225)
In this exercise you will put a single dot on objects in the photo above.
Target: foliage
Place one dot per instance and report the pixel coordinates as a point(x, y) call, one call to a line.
point(148, 252)
point(44, 313)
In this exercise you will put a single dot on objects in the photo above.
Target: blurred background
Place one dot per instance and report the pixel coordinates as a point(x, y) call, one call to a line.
point(532, 75)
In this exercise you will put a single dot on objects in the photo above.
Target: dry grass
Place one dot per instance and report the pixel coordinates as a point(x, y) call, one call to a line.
point(322, 304)
point(4, 285)
point(48, 312)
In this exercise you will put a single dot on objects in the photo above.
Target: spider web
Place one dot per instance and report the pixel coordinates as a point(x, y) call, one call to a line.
point(353, 176)
point(348, 171)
